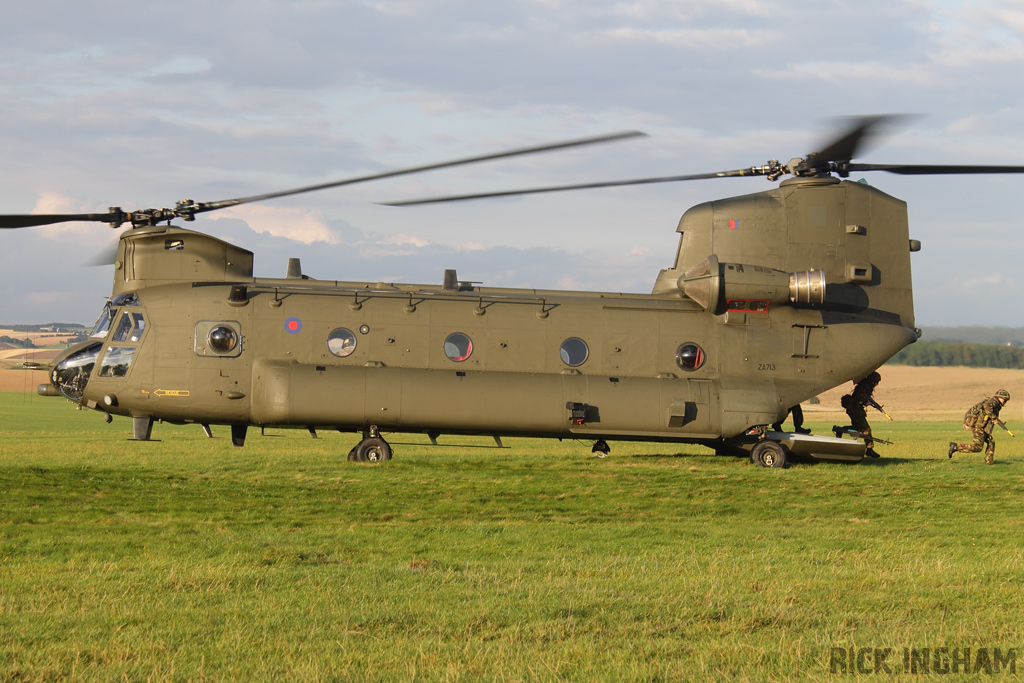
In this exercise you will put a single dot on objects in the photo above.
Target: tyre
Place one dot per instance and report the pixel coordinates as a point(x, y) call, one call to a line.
point(768, 454)
point(373, 449)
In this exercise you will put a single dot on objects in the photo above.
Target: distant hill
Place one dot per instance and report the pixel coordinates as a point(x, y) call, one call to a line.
point(1000, 336)
point(45, 327)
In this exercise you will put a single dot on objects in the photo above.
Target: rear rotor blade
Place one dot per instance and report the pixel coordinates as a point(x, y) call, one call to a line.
point(845, 146)
point(757, 170)
point(933, 169)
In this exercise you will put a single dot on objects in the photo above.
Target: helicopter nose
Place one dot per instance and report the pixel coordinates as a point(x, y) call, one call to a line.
point(71, 374)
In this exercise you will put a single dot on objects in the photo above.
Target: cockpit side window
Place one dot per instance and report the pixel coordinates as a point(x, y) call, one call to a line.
point(124, 326)
point(129, 327)
point(116, 361)
point(138, 327)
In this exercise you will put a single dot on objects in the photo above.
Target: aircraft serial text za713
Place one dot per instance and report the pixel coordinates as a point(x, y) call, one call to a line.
point(773, 298)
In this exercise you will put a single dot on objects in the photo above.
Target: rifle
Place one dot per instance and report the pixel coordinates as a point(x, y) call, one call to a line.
point(1000, 423)
point(880, 409)
point(860, 435)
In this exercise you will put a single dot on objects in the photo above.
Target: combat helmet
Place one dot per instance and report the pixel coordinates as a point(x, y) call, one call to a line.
point(1003, 394)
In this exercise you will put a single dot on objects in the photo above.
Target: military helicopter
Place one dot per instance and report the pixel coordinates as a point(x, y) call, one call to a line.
point(773, 298)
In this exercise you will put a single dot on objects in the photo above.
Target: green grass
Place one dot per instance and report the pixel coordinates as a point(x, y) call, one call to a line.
point(187, 559)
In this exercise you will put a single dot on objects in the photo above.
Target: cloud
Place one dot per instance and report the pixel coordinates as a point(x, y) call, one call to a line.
point(837, 73)
point(300, 225)
point(318, 91)
point(995, 282)
point(719, 39)
point(403, 240)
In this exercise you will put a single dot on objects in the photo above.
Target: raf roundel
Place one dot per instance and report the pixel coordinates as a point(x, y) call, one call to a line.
point(292, 325)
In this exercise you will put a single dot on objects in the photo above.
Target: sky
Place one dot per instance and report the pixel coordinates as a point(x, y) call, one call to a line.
point(139, 104)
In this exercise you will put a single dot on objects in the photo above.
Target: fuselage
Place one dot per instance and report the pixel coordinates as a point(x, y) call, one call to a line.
point(191, 336)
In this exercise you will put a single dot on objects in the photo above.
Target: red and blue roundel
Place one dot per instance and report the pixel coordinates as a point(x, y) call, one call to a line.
point(292, 325)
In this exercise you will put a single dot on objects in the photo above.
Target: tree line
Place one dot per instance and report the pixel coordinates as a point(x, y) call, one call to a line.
point(18, 343)
point(976, 335)
point(943, 354)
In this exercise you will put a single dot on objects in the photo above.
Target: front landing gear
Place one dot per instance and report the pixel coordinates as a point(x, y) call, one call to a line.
point(142, 428)
point(372, 448)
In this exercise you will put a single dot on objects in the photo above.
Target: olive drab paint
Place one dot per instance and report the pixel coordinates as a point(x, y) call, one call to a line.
point(772, 298)
point(725, 343)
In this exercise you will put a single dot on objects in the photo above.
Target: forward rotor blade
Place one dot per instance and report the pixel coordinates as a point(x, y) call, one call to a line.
point(29, 220)
point(613, 137)
point(582, 186)
point(933, 169)
point(106, 257)
point(187, 210)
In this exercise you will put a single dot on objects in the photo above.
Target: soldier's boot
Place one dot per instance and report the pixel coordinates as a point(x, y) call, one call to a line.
point(953, 448)
point(990, 458)
point(871, 453)
point(801, 430)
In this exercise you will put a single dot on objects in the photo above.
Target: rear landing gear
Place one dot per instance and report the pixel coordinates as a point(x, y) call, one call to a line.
point(768, 454)
point(372, 448)
point(601, 448)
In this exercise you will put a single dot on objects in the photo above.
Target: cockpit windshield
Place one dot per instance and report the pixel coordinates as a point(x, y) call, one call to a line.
point(72, 374)
point(99, 330)
point(102, 326)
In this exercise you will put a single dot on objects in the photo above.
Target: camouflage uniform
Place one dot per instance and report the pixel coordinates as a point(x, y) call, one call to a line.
point(854, 404)
point(988, 413)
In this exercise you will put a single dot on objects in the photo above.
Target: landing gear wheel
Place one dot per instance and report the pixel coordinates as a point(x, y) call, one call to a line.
point(601, 448)
point(768, 454)
point(372, 449)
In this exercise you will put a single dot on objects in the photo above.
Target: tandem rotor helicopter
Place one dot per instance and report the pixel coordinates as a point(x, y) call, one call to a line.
point(773, 298)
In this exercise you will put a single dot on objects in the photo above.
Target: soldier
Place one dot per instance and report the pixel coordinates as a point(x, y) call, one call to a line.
point(980, 420)
point(798, 421)
point(854, 405)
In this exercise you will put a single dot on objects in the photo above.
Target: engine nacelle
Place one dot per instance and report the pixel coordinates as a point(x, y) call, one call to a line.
point(719, 287)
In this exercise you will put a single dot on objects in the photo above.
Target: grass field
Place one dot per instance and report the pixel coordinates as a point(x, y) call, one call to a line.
point(187, 559)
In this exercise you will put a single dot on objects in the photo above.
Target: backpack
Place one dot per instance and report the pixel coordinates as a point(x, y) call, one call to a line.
point(973, 415)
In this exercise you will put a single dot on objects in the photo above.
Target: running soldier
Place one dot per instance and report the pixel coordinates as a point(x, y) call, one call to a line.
point(980, 420)
point(854, 405)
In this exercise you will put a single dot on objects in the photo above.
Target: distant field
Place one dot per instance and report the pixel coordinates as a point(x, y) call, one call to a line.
point(186, 559)
point(922, 393)
point(27, 380)
point(39, 338)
